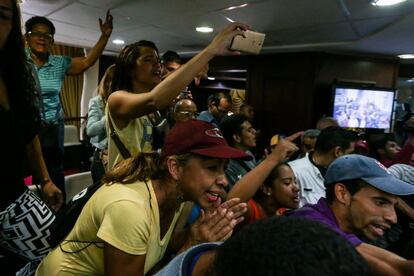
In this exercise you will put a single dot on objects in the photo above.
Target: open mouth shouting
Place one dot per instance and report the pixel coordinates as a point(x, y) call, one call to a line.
point(378, 229)
point(213, 198)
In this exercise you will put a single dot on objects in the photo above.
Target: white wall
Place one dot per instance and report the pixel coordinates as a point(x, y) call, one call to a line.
point(90, 84)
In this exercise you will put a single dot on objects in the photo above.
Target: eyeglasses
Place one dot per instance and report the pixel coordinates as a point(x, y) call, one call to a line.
point(190, 114)
point(35, 34)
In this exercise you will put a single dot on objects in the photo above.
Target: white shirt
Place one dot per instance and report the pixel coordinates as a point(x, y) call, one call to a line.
point(309, 179)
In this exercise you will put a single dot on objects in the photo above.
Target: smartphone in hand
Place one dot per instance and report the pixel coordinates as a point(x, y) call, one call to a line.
point(252, 42)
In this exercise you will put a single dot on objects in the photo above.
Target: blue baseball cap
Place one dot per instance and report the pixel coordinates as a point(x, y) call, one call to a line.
point(355, 166)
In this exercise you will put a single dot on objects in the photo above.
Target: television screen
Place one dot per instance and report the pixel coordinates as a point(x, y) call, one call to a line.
point(363, 107)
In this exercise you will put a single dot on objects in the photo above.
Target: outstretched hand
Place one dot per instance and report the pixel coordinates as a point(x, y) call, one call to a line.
point(107, 26)
point(285, 148)
point(221, 42)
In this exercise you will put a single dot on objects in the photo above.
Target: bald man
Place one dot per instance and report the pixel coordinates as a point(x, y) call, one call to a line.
point(184, 110)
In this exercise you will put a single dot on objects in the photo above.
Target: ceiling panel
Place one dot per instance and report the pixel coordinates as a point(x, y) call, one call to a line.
point(43, 7)
point(362, 9)
point(79, 15)
point(311, 34)
point(396, 39)
point(290, 25)
point(287, 14)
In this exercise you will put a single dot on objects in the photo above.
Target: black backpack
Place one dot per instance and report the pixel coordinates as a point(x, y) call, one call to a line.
point(68, 215)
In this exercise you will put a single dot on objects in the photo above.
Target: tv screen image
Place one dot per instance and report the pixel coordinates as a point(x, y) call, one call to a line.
point(363, 107)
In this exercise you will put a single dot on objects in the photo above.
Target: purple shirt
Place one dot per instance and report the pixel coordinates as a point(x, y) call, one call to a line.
point(322, 212)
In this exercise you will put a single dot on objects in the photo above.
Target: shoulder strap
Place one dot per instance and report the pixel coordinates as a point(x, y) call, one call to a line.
point(121, 147)
point(38, 92)
point(37, 89)
point(155, 119)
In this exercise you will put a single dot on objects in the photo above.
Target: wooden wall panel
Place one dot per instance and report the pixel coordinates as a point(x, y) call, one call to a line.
point(380, 72)
point(291, 91)
point(280, 89)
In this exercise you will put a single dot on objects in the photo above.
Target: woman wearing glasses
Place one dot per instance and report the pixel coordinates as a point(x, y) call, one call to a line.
point(138, 90)
point(51, 70)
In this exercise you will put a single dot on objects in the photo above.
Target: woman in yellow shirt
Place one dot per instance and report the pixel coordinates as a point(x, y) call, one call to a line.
point(138, 91)
point(126, 226)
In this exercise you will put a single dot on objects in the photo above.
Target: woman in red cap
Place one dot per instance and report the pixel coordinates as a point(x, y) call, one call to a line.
point(127, 225)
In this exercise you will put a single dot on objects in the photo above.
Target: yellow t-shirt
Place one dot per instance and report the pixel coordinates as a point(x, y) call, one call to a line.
point(119, 214)
point(136, 137)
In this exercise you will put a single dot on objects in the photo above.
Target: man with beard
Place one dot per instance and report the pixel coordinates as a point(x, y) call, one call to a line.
point(361, 196)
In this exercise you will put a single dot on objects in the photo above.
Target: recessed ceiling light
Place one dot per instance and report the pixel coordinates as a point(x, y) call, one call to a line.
point(211, 78)
point(229, 19)
point(236, 7)
point(204, 29)
point(406, 56)
point(386, 2)
point(118, 41)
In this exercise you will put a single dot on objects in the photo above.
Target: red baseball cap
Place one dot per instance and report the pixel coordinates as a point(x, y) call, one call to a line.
point(199, 137)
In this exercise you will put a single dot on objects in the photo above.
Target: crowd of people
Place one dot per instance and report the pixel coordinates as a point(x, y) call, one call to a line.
point(185, 193)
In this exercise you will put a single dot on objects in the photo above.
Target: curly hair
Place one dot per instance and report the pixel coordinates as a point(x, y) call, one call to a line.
point(17, 75)
point(125, 64)
point(283, 246)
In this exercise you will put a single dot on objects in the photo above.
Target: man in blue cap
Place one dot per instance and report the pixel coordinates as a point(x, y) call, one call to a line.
point(361, 196)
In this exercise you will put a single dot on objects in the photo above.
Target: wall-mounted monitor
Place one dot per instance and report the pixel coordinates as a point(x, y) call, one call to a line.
point(363, 107)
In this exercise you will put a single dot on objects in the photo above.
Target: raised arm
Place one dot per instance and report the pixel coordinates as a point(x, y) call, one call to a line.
point(126, 106)
point(248, 185)
point(81, 64)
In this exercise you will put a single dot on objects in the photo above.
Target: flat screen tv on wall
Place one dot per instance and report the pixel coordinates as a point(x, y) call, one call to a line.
point(363, 107)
